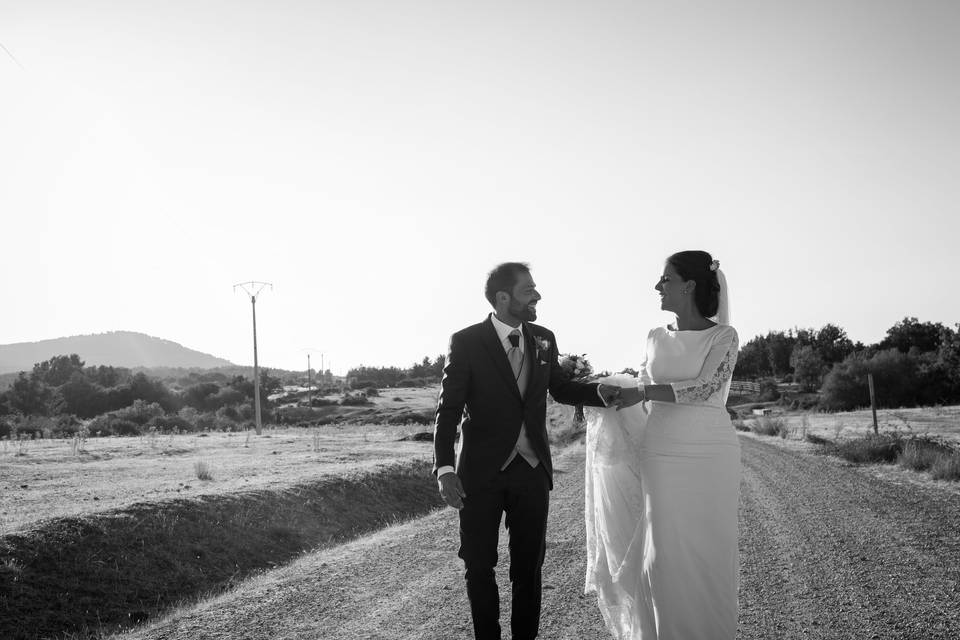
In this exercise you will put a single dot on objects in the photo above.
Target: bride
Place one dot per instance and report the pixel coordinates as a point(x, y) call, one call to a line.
point(663, 473)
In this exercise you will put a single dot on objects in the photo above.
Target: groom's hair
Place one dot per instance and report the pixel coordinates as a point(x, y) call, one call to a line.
point(695, 265)
point(503, 278)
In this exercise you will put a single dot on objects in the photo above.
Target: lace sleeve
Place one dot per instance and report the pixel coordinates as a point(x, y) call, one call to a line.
point(713, 384)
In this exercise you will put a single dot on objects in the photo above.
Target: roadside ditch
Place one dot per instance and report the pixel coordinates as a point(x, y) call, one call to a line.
point(80, 577)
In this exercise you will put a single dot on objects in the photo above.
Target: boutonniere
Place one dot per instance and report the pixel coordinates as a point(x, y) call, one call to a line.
point(543, 346)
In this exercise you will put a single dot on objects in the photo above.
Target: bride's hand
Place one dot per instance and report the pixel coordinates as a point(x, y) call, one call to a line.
point(609, 394)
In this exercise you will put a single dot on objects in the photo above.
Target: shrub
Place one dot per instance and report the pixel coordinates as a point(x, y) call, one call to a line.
point(768, 390)
point(813, 438)
point(170, 424)
point(121, 427)
point(299, 415)
point(228, 412)
point(740, 425)
point(767, 426)
point(896, 377)
point(139, 412)
point(871, 448)
point(920, 454)
point(205, 421)
point(32, 426)
point(372, 392)
point(202, 470)
point(947, 467)
point(413, 417)
point(352, 400)
point(321, 402)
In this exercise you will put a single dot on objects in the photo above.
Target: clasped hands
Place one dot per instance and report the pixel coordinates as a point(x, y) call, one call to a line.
point(620, 397)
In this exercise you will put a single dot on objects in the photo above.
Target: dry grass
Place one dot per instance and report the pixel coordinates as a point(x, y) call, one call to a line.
point(946, 467)
point(110, 531)
point(940, 422)
point(50, 481)
point(81, 574)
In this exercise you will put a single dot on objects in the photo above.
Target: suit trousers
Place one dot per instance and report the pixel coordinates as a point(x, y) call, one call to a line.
point(522, 493)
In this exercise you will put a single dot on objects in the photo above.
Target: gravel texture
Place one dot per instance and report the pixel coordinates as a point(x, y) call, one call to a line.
point(828, 550)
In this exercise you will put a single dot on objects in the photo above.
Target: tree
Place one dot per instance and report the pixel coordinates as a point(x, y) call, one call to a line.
point(808, 367)
point(896, 378)
point(28, 395)
point(420, 370)
point(58, 369)
point(107, 376)
point(752, 361)
point(832, 343)
point(949, 352)
point(911, 333)
point(436, 369)
point(779, 348)
point(80, 397)
point(151, 390)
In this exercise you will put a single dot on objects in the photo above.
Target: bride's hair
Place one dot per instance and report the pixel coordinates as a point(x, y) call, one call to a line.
point(695, 265)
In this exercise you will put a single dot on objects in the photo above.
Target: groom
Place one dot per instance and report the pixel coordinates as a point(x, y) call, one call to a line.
point(496, 378)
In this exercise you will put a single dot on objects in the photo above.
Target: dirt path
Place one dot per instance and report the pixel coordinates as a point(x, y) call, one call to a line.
point(827, 551)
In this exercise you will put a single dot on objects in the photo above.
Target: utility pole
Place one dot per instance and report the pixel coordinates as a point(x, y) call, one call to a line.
point(253, 289)
point(309, 351)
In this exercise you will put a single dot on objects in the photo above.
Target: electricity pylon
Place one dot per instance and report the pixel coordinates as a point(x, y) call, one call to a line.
point(253, 289)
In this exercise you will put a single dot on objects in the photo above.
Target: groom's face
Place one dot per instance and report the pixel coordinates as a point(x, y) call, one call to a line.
point(524, 298)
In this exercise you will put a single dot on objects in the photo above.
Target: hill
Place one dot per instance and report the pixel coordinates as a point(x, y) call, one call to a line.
point(117, 348)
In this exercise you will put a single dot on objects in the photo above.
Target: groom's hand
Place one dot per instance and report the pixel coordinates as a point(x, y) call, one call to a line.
point(629, 396)
point(451, 490)
point(608, 393)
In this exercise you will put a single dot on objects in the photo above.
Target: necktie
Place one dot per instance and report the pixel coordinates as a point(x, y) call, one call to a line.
point(514, 355)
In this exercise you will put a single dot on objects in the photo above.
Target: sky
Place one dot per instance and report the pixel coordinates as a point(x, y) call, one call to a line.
point(373, 160)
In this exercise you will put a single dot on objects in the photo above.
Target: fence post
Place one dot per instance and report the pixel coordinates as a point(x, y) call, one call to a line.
point(873, 403)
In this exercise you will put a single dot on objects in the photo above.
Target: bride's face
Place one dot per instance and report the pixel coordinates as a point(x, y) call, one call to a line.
point(671, 287)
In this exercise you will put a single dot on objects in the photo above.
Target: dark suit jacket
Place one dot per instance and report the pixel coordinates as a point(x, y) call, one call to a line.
point(478, 386)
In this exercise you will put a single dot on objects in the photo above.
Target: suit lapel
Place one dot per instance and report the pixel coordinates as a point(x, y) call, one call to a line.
point(492, 343)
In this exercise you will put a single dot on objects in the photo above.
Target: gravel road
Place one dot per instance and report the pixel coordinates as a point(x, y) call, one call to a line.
point(828, 550)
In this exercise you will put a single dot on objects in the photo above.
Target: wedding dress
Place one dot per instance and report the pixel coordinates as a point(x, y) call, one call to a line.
point(662, 486)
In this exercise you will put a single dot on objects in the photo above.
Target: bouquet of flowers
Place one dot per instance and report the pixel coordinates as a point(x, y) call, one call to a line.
point(576, 368)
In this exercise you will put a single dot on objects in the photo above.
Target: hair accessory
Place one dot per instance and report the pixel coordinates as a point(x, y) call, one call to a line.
point(714, 265)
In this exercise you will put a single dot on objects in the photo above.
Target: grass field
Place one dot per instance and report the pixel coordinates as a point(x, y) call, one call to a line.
point(938, 422)
point(43, 479)
point(109, 534)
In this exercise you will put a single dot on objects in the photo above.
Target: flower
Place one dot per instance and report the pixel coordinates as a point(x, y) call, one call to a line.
point(714, 265)
point(575, 367)
point(542, 344)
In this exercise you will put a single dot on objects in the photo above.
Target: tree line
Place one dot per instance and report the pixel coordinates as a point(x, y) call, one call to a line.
point(916, 363)
point(418, 374)
point(124, 402)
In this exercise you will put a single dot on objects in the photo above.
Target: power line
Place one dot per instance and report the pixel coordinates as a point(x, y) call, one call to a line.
point(12, 57)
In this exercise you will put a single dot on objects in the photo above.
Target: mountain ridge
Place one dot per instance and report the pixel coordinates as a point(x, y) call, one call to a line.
point(128, 349)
